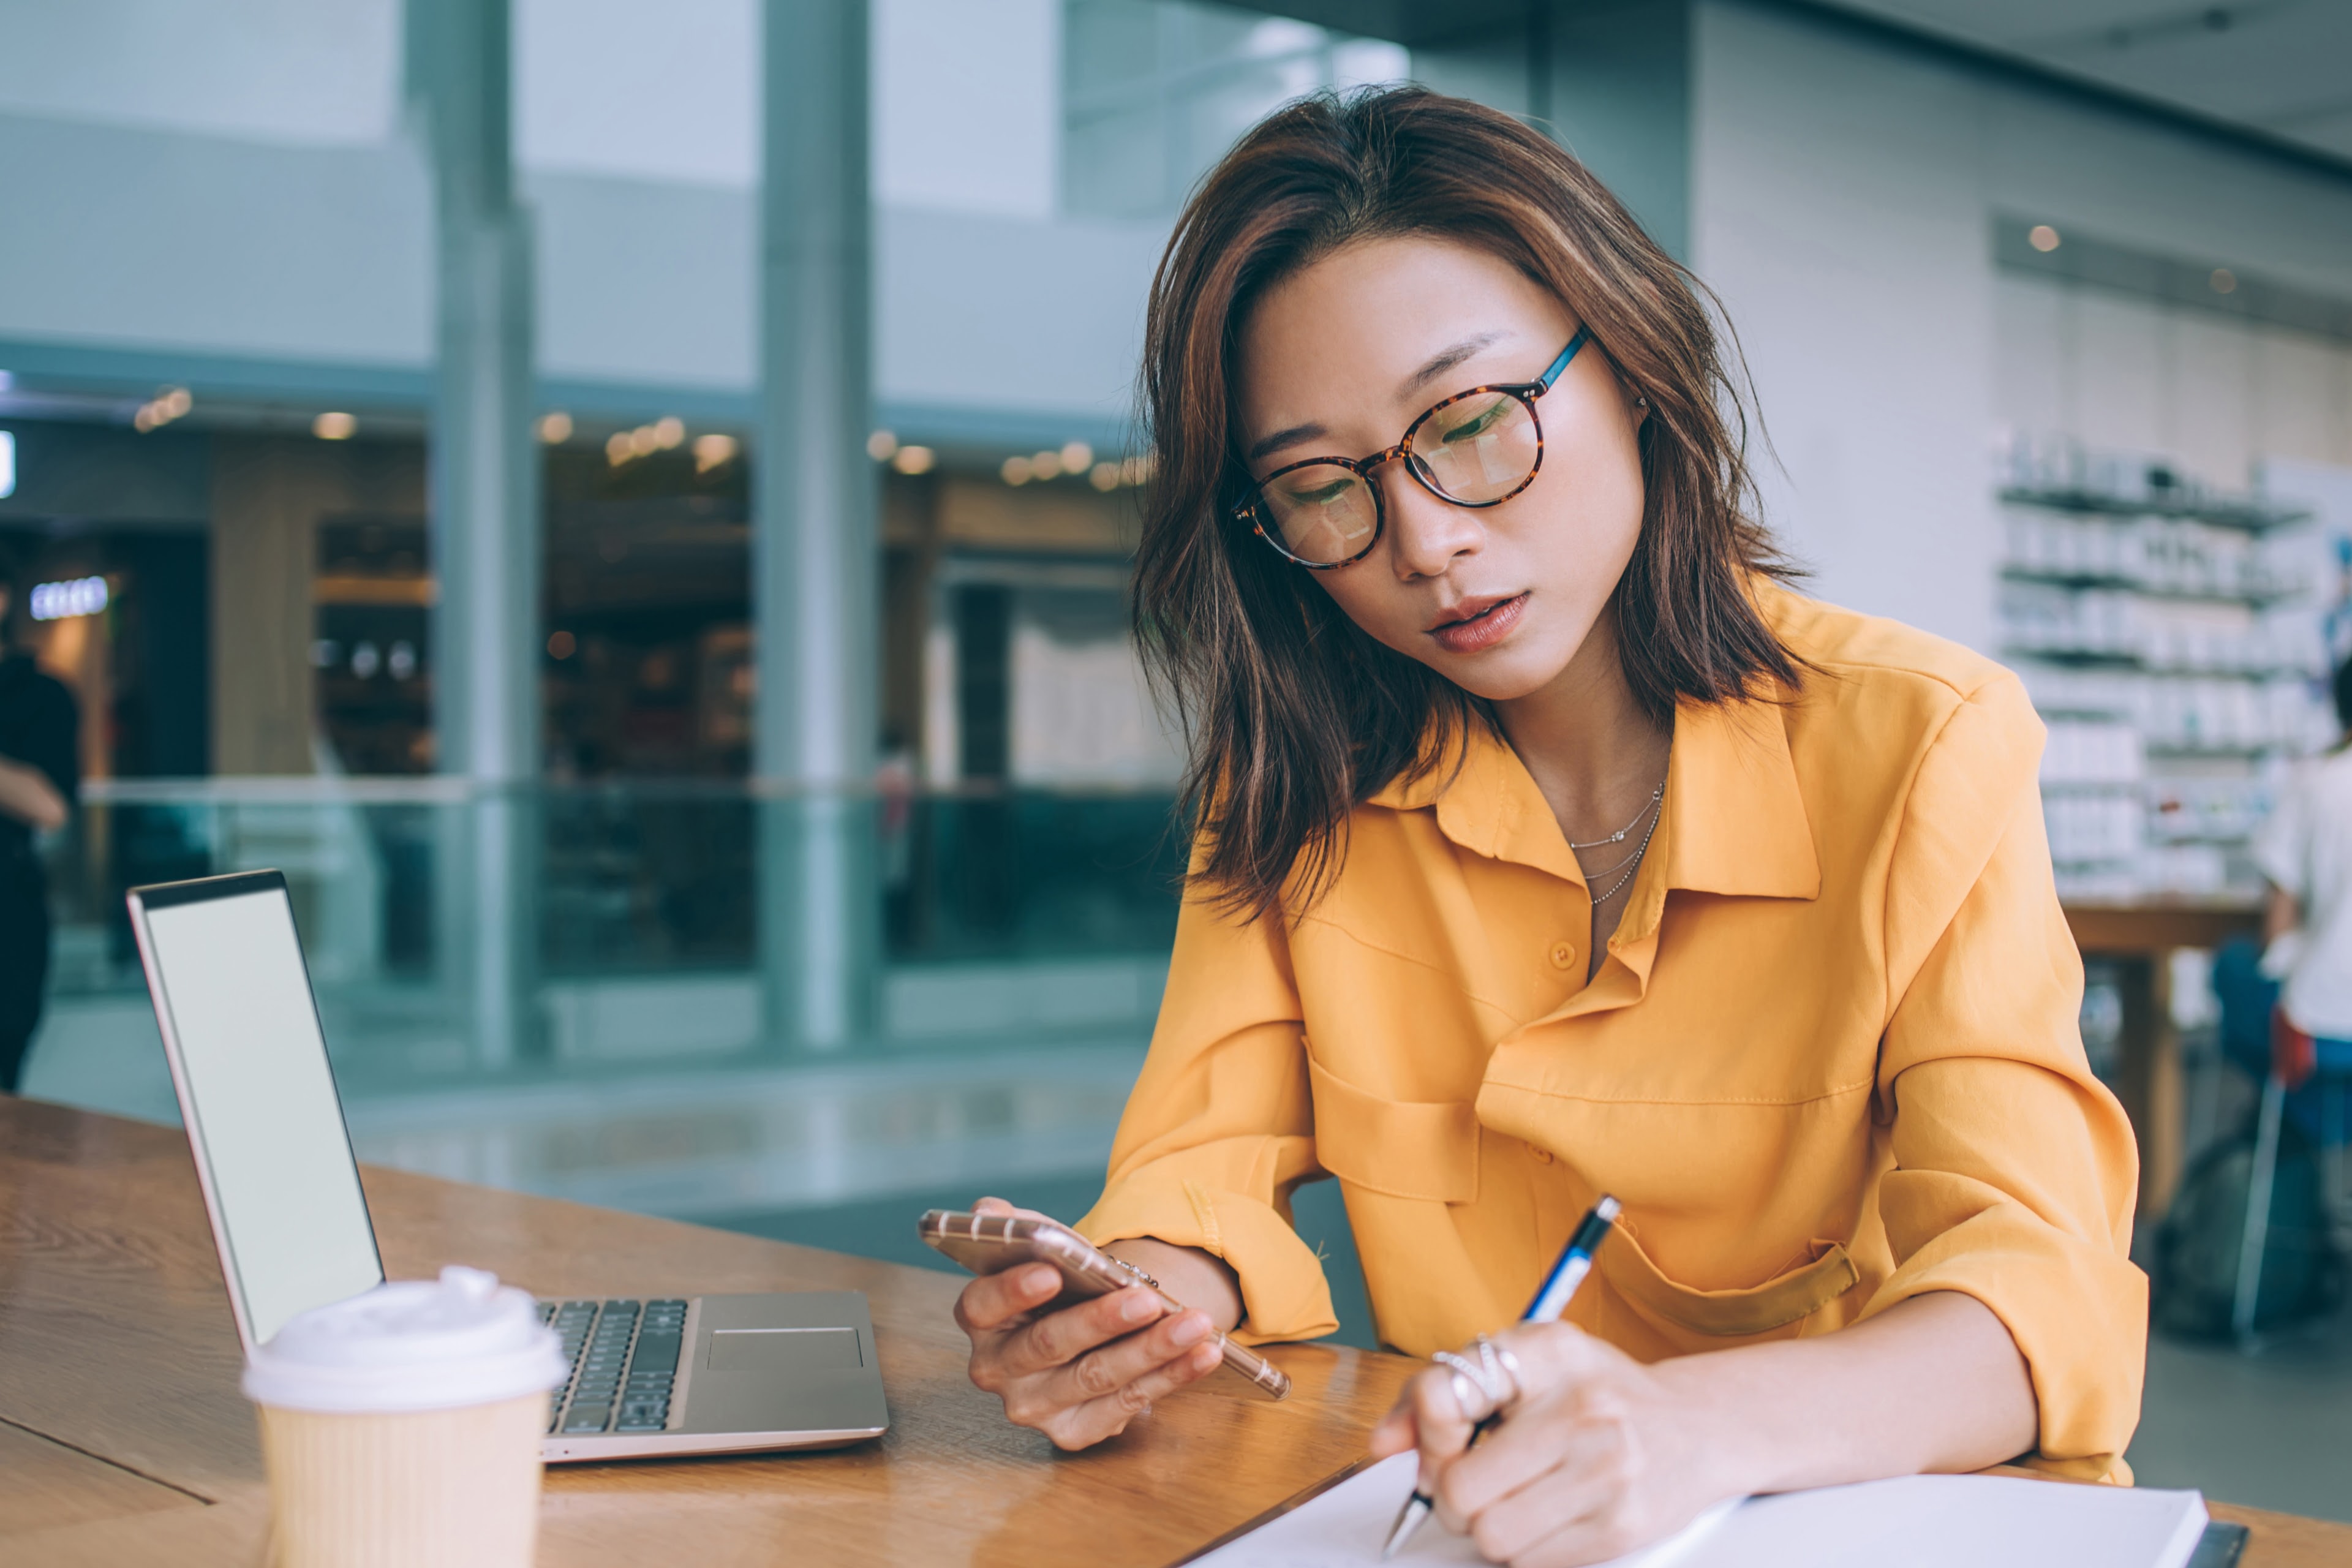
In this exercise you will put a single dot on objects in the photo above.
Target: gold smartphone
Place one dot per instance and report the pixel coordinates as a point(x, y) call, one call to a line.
point(992, 1243)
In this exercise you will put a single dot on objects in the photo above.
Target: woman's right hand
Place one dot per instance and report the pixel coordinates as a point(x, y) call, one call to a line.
point(1081, 1374)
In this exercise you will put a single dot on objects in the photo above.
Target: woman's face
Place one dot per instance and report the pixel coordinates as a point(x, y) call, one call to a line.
point(1337, 361)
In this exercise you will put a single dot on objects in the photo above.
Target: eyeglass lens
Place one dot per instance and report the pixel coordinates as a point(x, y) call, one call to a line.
point(1474, 449)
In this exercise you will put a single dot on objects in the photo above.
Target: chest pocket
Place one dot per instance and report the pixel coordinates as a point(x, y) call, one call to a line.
point(1795, 1293)
point(1406, 1149)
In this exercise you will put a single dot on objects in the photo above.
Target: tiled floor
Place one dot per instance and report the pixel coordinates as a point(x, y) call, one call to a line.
point(2270, 1430)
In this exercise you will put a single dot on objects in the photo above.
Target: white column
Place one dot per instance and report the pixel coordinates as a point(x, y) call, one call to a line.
point(485, 523)
point(815, 551)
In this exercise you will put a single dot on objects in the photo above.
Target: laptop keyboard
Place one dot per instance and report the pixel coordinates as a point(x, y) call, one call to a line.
point(622, 1357)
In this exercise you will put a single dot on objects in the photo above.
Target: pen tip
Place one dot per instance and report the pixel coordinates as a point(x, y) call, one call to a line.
point(1416, 1508)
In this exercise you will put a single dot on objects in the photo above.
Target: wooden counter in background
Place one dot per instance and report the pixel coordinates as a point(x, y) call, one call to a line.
point(123, 1440)
point(2139, 939)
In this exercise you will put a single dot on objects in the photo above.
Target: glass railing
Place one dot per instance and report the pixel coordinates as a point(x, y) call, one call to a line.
point(449, 926)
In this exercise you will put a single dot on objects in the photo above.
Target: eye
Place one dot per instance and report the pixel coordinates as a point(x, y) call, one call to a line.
point(1477, 426)
point(1320, 495)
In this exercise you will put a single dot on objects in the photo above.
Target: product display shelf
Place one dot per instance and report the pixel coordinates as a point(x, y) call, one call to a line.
point(2168, 644)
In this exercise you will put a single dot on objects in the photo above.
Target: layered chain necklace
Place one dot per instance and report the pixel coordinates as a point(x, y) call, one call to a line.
point(1631, 863)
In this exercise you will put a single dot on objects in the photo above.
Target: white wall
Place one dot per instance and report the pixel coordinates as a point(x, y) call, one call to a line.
point(1843, 196)
point(2219, 394)
point(1834, 209)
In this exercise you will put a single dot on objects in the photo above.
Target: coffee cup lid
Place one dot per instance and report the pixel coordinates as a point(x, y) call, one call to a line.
point(412, 1344)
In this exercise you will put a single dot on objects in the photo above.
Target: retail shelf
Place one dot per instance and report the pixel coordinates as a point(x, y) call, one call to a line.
point(2257, 598)
point(2247, 513)
point(2125, 660)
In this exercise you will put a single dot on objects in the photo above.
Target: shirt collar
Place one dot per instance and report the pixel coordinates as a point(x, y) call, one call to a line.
point(1733, 818)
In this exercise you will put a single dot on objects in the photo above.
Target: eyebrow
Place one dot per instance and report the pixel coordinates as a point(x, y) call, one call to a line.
point(1437, 365)
point(1447, 359)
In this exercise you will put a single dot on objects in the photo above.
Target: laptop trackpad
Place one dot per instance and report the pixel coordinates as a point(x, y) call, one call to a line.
point(798, 1350)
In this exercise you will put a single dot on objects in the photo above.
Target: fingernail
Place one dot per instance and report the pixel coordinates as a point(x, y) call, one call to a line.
point(1188, 1329)
point(1138, 1307)
point(1039, 1282)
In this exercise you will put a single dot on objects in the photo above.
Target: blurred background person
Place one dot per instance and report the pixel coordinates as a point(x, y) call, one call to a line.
point(38, 773)
point(2305, 851)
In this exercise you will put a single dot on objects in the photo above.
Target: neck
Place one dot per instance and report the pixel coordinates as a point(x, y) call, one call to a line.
point(1590, 748)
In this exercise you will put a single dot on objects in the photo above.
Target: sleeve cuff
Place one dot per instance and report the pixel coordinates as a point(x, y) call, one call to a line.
point(2078, 1313)
point(1284, 1293)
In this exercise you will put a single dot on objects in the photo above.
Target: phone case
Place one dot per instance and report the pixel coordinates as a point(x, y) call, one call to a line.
point(989, 1244)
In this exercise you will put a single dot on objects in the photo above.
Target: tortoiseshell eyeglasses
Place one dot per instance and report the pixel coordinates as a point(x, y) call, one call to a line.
point(1476, 449)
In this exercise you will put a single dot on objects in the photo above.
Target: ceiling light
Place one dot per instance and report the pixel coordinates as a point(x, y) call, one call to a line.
point(668, 431)
point(713, 449)
point(555, 428)
point(2043, 237)
point(617, 449)
point(1046, 465)
point(914, 461)
point(1105, 477)
point(333, 426)
point(644, 439)
point(1077, 456)
point(882, 446)
point(2224, 281)
point(1015, 470)
point(59, 601)
point(176, 402)
point(7, 464)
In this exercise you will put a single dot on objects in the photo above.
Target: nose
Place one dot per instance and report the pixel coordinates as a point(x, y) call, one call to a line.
point(1426, 536)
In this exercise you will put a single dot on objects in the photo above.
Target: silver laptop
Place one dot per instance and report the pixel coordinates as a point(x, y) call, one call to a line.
point(684, 1374)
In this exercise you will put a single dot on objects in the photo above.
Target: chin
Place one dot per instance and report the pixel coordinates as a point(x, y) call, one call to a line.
point(1504, 675)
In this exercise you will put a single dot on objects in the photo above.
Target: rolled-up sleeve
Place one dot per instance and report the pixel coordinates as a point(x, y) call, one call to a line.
point(1221, 1127)
point(2015, 1169)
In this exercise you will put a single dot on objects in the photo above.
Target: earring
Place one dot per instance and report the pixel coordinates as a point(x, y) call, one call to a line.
point(1643, 402)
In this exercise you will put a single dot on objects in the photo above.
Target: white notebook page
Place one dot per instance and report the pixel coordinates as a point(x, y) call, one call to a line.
point(1919, 1522)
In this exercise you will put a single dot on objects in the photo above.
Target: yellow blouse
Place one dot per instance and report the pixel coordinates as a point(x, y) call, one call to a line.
point(1832, 1060)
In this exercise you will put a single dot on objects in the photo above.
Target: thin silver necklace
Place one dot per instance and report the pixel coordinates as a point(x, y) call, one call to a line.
point(1656, 795)
point(1633, 866)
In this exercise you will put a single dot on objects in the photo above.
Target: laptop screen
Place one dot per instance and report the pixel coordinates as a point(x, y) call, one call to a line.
point(234, 996)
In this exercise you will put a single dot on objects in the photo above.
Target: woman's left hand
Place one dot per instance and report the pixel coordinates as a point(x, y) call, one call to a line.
point(1598, 1455)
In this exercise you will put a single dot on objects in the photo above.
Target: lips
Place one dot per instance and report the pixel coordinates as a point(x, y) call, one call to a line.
point(1479, 623)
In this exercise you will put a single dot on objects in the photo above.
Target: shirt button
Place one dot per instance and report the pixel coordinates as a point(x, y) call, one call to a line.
point(1562, 955)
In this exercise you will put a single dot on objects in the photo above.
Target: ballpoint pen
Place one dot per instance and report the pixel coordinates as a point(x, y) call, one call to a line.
point(1551, 1299)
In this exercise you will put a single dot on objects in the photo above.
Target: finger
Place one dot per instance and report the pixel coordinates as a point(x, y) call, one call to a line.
point(1118, 1363)
point(1574, 1518)
point(1554, 1356)
point(1058, 1338)
point(1531, 1478)
point(992, 1208)
point(1396, 1434)
point(1109, 1414)
point(1442, 1429)
point(995, 1302)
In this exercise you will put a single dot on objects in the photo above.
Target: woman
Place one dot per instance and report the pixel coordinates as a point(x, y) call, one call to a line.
point(1550, 846)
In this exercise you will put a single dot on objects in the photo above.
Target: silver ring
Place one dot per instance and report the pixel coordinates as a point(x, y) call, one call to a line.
point(1485, 1375)
point(1502, 1368)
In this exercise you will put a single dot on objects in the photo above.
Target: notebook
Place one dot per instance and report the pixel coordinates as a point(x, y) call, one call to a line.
point(1920, 1522)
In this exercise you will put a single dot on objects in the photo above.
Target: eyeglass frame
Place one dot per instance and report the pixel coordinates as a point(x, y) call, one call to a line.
point(1526, 391)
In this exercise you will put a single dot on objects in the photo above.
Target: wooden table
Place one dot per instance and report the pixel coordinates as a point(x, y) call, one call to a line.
point(124, 1439)
point(2139, 939)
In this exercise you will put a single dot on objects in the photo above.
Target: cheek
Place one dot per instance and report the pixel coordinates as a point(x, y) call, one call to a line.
point(1368, 594)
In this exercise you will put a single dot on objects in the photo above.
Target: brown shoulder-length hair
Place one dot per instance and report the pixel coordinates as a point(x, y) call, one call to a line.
point(1293, 715)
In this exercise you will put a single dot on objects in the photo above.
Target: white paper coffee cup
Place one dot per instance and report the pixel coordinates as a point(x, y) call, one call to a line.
point(403, 1426)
